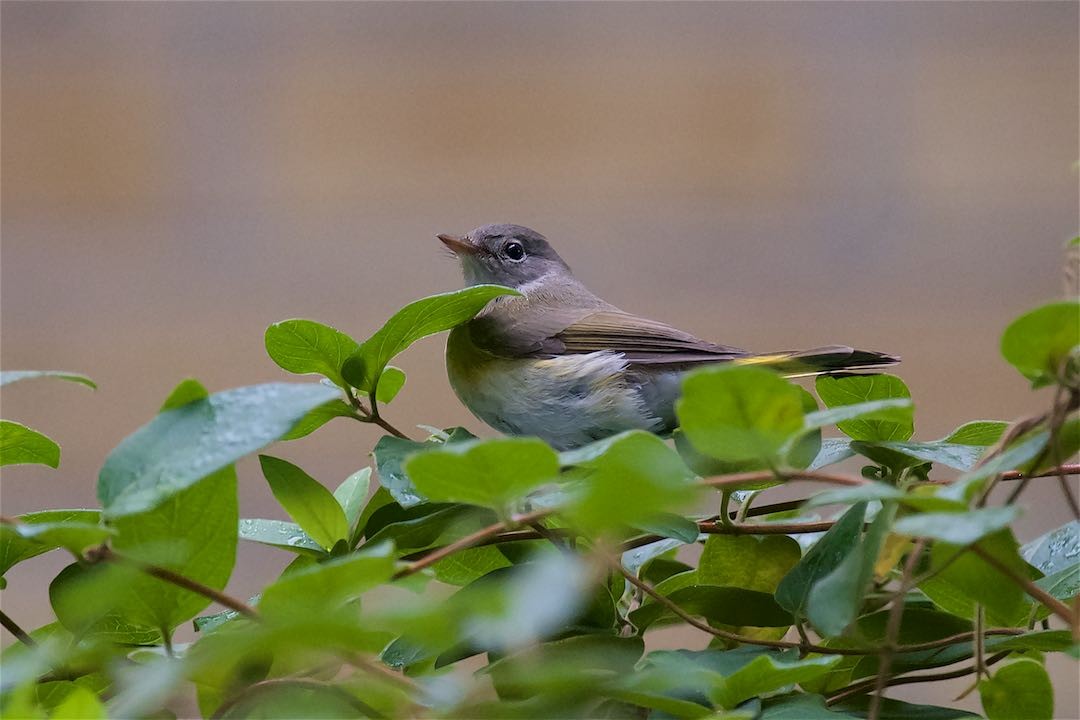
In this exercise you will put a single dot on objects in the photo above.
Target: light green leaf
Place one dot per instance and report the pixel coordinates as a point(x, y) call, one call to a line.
point(390, 455)
point(311, 505)
point(833, 450)
point(319, 416)
point(1055, 550)
point(959, 457)
point(636, 478)
point(188, 391)
point(670, 525)
point(965, 487)
point(390, 384)
point(896, 410)
point(768, 673)
point(10, 376)
point(835, 600)
point(1063, 584)
point(823, 558)
point(739, 413)
point(16, 547)
point(324, 587)
point(80, 704)
point(1019, 688)
point(72, 535)
point(957, 528)
point(280, 534)
point(305, 346)
point(981, 433)
point(855, 389)
point(20, 445)
point(489, 473)
point(181, 446)
point(467, 566)
point(351, 494)
point(1038, 343)
point(416, 320)
point(748, 561)
point(859, 493)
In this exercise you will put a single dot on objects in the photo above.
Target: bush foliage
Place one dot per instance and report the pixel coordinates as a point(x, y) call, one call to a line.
point(500, 578)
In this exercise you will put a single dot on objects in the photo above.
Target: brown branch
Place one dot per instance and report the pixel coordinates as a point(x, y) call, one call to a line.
point(1052, 603)
point(862, 686)
point(103, 553)
point(372, 415)
point(892, 629)
point(737, 479)
point(13, 627)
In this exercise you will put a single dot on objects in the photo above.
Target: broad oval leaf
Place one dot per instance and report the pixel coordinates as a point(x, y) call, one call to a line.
point(20, 445)
point(304, 347)
point(391, 452)
point(848, 390)
point(416, 320)
point(311, 505)
point(1039, 342)
point(1020, 688)
point(390, 384)
point(181, 446)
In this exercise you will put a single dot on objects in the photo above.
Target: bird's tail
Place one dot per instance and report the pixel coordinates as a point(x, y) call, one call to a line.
point(820, 361)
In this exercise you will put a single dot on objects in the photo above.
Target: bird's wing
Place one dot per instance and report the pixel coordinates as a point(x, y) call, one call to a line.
point(551, 331)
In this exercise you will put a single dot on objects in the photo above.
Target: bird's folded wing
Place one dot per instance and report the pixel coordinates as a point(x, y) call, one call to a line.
point(569, 331)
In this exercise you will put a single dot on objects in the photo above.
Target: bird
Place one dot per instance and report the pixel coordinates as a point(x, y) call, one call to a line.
point(560, 363)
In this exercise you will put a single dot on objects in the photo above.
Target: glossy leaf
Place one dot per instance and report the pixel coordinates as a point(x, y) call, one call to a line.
point(739, 413)
point(306, 347)
point(391, 453)
point(323, 587)
point(980, 433)
point(280, 534)
point(183, 445)
point(311, 505)
point(10, 376)
point(961, 528)
point(855, 389)
point(390, 384)
point(768, 673)
point(824, 557)
point(416, 320)
point(20, 445)
point(319, 416)
point(351, 494)
point(489, 473)
point(1038, 342)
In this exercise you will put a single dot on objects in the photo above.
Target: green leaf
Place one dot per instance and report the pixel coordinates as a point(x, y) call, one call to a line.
point(16, 547)
point(414, 321)
point(852, 389)
point(188, 391)
point(670, 525)
point(635, 479)
point(80, 704)
point(959, 457)
point(850, 495)
point(319, 416)
point(748, 561)
point(390, 384)
point(20, 445)
point(836, 599)
point(1019, 688)
point(739, 413)
point(1055, 550)
point(895, 410)
point(965, 487)
point(324, 587)
point(183, 445)
point(768, 673)
point(351, 494)
point(718, 604)
point(823, 558)
point(72, 535)
point(981, 433)
point(305, 347)
point(1063, 584)
point(10, 376)
point(390, 455)
point(857, 707)
point(833, 450)
point(959, 528)
point(964, 579)
point(489, 473)
point(280, 534)
point(799, 706)
point(470, 565)
point(1039, 342)
point(311, 505)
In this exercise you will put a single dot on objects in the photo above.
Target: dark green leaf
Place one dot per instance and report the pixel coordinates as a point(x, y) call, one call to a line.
point(390, 455)
point(10, 376)
point(416, 320)
point(1019, 688)
point(727, 605)
point(768, 673)
point(739, 413)
point(281, 534)
point(181, 446)
point(959, 457)
point(319, 416)
point(311, 505)
point(187, 391)
point(305, 346)
point(853, 389)
point(489, 473)
point(670, 525)
point(20, 445)
point(799, 706)
point(899, 710)
point(825, 556)
point(1038, 343)
point(959, 528)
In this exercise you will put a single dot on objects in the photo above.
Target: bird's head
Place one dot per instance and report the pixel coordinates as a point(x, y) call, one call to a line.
point(509, 255)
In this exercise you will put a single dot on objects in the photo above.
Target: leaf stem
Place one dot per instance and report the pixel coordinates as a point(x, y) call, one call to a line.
point(372, 415)
point(13, 627)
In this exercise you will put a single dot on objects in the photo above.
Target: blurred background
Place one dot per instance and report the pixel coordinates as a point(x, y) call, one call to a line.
point(177, 176)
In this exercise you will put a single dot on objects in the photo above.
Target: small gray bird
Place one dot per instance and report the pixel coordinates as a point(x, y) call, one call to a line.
point(562, 364)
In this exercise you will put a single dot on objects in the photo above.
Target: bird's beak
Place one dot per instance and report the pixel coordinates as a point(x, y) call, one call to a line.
point(459, 246)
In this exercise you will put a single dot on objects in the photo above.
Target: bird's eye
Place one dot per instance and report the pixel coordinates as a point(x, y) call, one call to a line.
point(515, 251)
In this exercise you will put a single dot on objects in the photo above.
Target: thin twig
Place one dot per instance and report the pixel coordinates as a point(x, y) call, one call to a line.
point(892, 629)
point(104, 553)
point(13, 627)
point(737, 479)
point(862, 686)
point(1052, 603)
point(373, 416)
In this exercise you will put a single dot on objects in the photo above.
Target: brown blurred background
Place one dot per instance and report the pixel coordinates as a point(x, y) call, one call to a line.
point(177, 176)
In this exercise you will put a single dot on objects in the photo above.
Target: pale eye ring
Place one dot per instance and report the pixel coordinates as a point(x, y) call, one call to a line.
point(514, 251)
